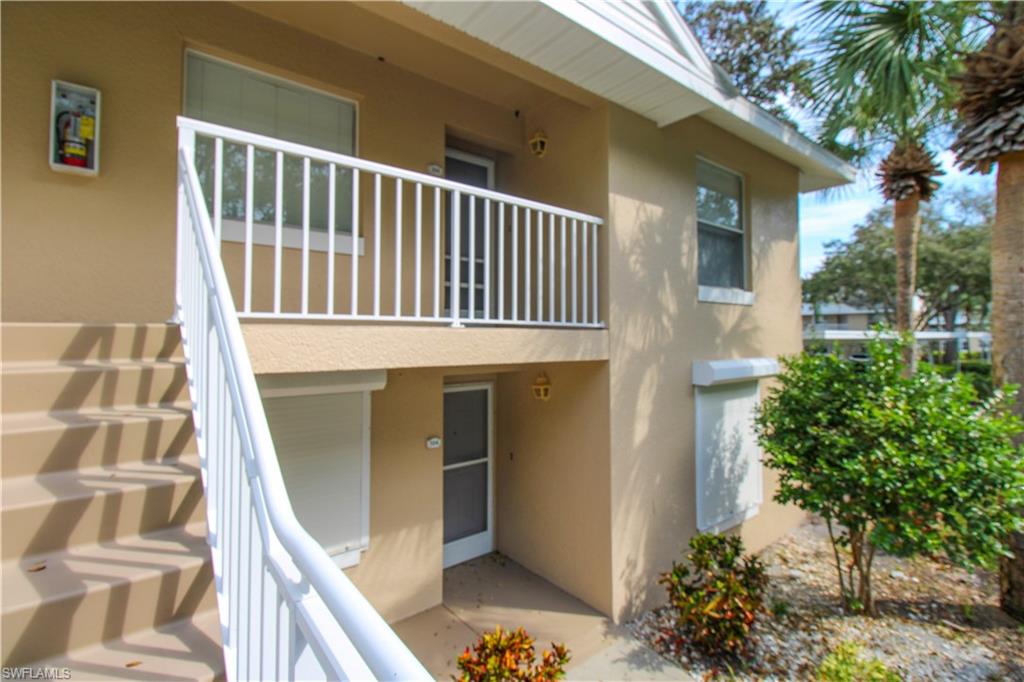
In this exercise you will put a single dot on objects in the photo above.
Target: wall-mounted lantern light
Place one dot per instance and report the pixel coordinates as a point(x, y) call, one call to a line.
point(539, 144)
point(541, 387)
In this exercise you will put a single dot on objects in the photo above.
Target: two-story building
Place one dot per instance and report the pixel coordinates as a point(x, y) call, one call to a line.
point(496, 277)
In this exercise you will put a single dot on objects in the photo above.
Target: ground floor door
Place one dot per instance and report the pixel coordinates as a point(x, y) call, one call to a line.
point(468, 472)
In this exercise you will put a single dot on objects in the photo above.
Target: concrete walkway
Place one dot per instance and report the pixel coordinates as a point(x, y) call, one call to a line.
point(493, 590)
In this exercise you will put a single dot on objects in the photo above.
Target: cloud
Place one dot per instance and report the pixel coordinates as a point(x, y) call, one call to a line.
point(834, 219)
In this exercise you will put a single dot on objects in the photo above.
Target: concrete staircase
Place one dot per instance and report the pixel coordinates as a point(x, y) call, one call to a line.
point(105, 566)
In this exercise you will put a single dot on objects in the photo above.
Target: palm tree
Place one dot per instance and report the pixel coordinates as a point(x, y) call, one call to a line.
point(991, 109)
point(882, 77)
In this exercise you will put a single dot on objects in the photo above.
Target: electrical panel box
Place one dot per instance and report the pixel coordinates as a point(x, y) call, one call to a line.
point(74, 128)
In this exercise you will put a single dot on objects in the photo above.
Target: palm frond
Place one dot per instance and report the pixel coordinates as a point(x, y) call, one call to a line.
point(884, 68)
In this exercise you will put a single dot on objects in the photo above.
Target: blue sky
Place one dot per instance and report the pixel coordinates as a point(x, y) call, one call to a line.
point(828, 216)
point(825, 217)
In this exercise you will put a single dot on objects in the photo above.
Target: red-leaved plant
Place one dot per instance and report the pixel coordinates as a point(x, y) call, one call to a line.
point(719, 595)
point(504, 655)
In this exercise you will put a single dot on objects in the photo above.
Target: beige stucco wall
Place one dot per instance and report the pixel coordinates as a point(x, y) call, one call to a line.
point(657, 329)
point(102, 248)
point(400, 573)
point(281, 347)
point(551, 482)
point(553, 485)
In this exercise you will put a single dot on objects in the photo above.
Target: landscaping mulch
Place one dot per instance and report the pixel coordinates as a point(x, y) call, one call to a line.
point(937, 621)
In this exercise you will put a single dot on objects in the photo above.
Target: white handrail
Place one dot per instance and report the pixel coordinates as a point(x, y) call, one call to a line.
point(473, 274)
point(243, 137)
point(324, 618)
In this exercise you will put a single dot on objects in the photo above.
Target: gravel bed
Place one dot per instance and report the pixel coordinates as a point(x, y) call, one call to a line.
point(937, 622)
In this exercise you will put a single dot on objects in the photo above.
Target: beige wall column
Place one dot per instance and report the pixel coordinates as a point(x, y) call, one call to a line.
point(657, 329)
point(400, 573)
point(553, 512)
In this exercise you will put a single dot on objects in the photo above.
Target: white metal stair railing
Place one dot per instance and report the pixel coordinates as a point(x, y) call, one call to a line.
point(293, 209)
point(286, 610)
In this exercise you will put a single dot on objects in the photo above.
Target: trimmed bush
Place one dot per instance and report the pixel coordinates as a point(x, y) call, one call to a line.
point(502, 656)
point(917, 465)
point(718, 595)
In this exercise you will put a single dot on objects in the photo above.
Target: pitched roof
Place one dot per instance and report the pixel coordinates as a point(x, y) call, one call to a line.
point(642, 56)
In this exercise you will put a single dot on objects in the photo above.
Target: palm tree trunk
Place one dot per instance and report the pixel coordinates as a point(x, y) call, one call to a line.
point(906, 227)
point(1008, 333)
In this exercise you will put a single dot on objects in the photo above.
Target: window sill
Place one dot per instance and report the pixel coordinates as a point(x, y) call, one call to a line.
point(725, 295)
point(291, 237)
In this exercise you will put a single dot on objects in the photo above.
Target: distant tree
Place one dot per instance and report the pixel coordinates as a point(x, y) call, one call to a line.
point(762, 56)
point(882, 79)
point(953, 254)
point(860, 272)
point(955, 273)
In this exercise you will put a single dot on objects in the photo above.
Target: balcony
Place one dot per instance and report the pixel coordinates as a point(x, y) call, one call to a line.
point(309, 235)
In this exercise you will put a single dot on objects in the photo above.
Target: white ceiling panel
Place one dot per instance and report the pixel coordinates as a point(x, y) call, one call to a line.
point(641, 55)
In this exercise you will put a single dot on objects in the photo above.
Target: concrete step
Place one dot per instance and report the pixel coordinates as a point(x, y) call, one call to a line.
point(85, 384)
point(188, 649)
point(45, 442)
point(59, 510)
point(26, 341)
point(60, 601)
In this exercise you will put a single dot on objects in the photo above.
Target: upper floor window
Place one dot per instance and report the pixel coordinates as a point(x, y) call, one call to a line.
point(235, 96)
point(721, 238)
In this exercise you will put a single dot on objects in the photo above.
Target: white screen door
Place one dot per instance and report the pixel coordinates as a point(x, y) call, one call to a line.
point(468, 472)
point(477, 171)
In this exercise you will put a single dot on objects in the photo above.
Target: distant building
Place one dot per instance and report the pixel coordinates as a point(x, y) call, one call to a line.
point(839, 316)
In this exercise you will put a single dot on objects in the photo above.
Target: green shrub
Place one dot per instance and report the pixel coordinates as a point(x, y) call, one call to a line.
point(501, 656)
point(977, 372)
point(718, 596)
point(906, 465)
point(846, 664)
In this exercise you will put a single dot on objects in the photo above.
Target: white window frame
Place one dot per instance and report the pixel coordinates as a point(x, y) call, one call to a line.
point(263, 233)
point(727, 295)
point(353, 382)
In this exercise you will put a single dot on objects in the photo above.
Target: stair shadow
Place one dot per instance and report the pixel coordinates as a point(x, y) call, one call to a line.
point(159, 508)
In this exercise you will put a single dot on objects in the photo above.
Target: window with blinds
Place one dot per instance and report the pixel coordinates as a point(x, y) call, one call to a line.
point(229, 95)
point(322, 443)
point(721, 242)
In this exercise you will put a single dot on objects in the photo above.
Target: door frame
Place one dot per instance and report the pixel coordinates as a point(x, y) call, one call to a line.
point(475, 159)
point(472, 546)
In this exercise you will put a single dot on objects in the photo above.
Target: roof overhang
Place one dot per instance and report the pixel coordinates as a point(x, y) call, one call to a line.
point(642, 56)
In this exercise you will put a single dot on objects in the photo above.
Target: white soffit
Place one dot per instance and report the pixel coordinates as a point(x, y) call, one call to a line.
point(640, 55)
point(715, 372)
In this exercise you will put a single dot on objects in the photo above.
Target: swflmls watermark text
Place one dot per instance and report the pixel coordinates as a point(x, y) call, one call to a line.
point(27, 673)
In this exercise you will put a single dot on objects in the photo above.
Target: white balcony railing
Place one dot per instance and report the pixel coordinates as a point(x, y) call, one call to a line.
point(325, 236)
point(286, 611)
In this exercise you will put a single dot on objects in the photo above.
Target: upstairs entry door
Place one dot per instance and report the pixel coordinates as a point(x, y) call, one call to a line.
point(477, 171)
